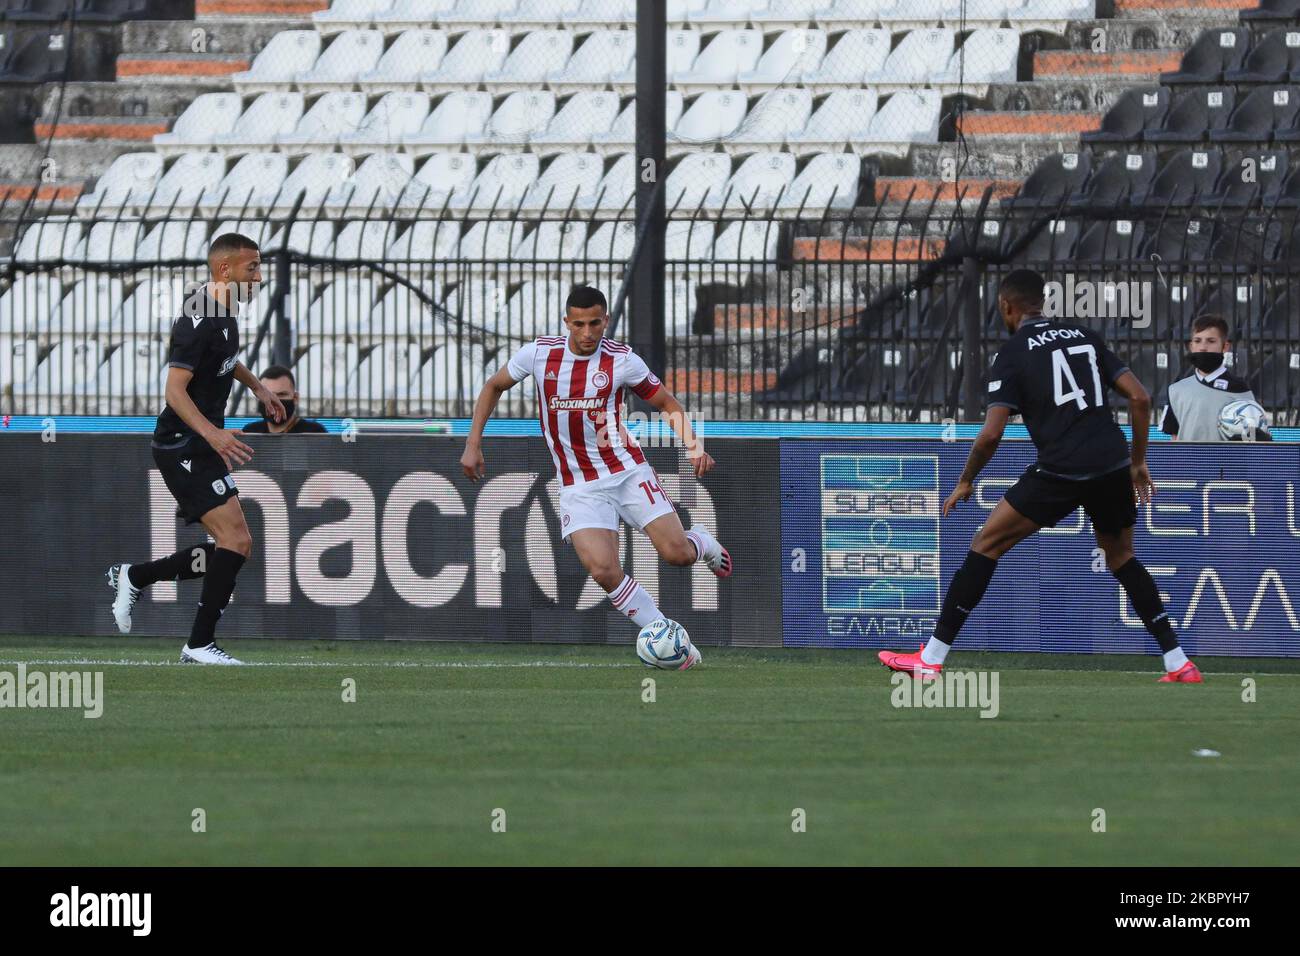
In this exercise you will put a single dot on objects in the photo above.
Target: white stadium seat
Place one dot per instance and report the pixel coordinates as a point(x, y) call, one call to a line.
point(540, 53)
point(491, 241)
point(987, 56)
point(330, 117)
point(18, 358)
point(426, 242)
point(87, 306)
point(721, 14)
point(440, 176)
point(259, 230)
point(605, 55)
point(188, 178)
point(785, 14)
point(522, 115)
point(699, 180)
point(602, 13)
point(475, 53)
point(377, 183)
point(253, 184)
point(536, 309)
point(412, 53)
point(61, 382)
point(54, 237)
point(130, 181)
point(728, 54)
point(288, 53)
point(688, 240)
point(381, 375)
point(209, 116)
point(612, 241)
point(843, 117)
point(342, 306)
point(794, 53)
point(129, 380)
point(680, 10)
point(1049, 16)
point(913, 60)
point(365, 240)
point(777, 116)
point(578, 121)
point(759, 183)
point(616, 191)
point(454, 372)
point(402, 312)
point(909, 117)
point(570, 181)
point(395, 116)
point(175, 239)
point(149, 310)
point(857, 53)
point(911, 14)
point(681, 51)
point(349, 15)
point(352, 53)
point(460, 115)
point(713, 116)
point(26, 305)
point(480, 13)
point(312, 179)
point(410, 15)
point(752, 240)
point(541, 12)
point(975, 13)
point(557, 243)
point(314, 238)
point(829, 181)
point(622, 135)
point(269, 116)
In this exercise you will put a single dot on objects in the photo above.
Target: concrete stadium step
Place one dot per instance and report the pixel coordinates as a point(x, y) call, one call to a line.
point(220, 36)
point(720, 381)
point(893, 192)
point(44, 193)
point(1182, 8)
point(121, 99)
point(1133, 65)
point(849, 249)
point(138, 131)
point(70, 162)
point(1055, 125)
point(180, 67)
point(258, 8)
point(731, 320)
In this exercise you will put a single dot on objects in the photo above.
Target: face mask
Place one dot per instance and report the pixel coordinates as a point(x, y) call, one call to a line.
point(1205, 361)
point(289, 407)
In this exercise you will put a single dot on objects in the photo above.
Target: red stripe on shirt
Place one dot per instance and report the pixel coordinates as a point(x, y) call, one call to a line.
point(549, 381)
point(632, 449)
point(577, 422)
point(607, 453)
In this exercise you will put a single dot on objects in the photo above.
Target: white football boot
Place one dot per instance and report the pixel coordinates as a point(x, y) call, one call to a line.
point(716, 557)
point(693, 658)
point(126, 595)
point(206, 655)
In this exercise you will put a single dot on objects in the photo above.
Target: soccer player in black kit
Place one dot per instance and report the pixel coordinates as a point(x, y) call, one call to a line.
point(1056, 375)
point(195, 453)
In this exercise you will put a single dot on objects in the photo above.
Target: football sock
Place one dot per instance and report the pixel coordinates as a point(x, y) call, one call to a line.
point(634, 601)
point(1142, 591)
point(935, 651)
point(1174, 659)
point(964, 592)
point(705, 543)
point(218, 585)
point(184, 565)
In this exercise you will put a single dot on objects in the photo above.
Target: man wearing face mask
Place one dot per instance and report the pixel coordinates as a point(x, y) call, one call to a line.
point(280, 382)
point(1195, 401)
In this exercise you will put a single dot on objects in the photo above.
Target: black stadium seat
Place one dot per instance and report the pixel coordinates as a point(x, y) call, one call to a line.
point(1264, 110)
point(1281, 317)
point(1117, 239)
point(1055, 179)
point(1178, 240)
point(1276, 383)
point(1273, 10)
point(1184, 178)
point(1137, 110)
point(1116, 179)
point(43, 11)
point(1213, 53)
point(1254, 241)
point(1192, 115)
point(1274, 59)
point(33, 61)
point(1290, 193)
point(1251, 176)
point(1055, 240)
point(1238, 302)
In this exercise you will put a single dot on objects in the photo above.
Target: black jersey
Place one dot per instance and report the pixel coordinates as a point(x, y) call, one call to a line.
point(205, 340)
point(1056, 376)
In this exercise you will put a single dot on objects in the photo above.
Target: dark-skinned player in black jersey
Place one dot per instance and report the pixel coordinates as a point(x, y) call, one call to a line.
point(1056, 376)
point(194, 451)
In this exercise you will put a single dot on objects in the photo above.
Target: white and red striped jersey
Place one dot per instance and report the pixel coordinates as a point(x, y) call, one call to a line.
point(579, 401)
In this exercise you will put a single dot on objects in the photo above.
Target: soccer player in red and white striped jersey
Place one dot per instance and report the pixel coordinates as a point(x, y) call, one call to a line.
point(581, 380)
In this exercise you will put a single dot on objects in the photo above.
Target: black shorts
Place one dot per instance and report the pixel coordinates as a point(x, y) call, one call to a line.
point(1045, 500)
point(197, 478)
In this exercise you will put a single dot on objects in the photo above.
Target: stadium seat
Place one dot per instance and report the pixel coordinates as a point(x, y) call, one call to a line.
point(1178, 240)
point(503, 182)
point(1255, 241)
point(759, 184)
point(1251, 176)
point(698, 181)
point(679, 11)
point(26, 305)
point(348, 15)
point(270, 116)
point(321, 126)
point(595, 14)
point(778, 115)
point(287, 54)
point(477, 52)
point(343, 306)
point(522, 115)
point(1112, 241)
point(908, 117)
point(551, 245)
point(753, 240)
point(1290, 192)
point(188, 178)
point(394, 117)
point(975, 14)
point(1238, 302)
point(175, 239)
point(1049, 16)
point(836, 14)
point(622, 135)
point(729, 54)
point(425, 242)
point(50, 238)
point(1187, 177)
point(843, 117)
point(829, 181)
point(577, 123)
point(412, 53)
point(723, 14)
point(375, 381)
point(485, 244)
point(129, 381)
point(1116, 179)
point(1273, 10)
point(1193, 115)
point(988, 56)
point(1214, 53)
point(455, 372)
point(377, 184)
point(857, 54)
point(18, 358)
point(60, 382)
point(1276, 384)
point(252, 185)
point(149, 310)
point(713, 116)
point(128, 182)
point(352, 53)
point(783, 15)
point(209, 116)
point(569, 182)
point(458, 116)
point(402, 311)
point(259, 230)
point(912, 62)
point(616, 191)
point(538, 13)
point(792, 55)
point(539, 54)
point(1043, 243)
point(1266, 111)
point(365, 240)
point(411, 15)
point(88, 305)
point(612, 242)
point(36, 58)
point(605, 55)
point(536, 309)
point(480, 13)
point(1136, 111)
point(689, 241)
point(1281, 318)
point(312, 179)
point(1275, 58)
point(440, 176)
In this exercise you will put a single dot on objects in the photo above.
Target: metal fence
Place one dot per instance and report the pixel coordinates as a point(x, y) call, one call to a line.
point(867, 308)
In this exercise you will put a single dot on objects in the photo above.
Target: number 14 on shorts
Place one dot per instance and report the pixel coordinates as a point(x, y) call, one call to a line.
point(651, 488)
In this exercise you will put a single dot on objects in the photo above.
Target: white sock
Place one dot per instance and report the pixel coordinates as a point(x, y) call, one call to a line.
point(706, 545)
point(635, 601)
point(935, 651)
point(1175, 659)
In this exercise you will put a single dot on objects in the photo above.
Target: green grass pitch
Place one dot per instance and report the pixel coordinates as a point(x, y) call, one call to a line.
point(559, 738)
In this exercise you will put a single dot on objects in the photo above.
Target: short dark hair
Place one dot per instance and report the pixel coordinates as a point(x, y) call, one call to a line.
point(279, 371)
point(1022, 287)
point(585, 297)
point(229, 242)
point(1209, 321)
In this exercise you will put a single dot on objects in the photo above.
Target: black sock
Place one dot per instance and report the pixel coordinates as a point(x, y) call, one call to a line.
point(1144, 594)
point(184, 565)
point(964, 592)
point(218, 585)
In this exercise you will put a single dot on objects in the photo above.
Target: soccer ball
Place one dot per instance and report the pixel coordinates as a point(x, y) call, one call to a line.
point(1239, 421)
point(663, 643)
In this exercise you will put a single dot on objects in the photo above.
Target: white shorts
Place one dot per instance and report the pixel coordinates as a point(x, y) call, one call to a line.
point(635, 497)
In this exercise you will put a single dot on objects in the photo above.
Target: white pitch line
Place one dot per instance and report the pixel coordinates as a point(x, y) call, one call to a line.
point(85, 661)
